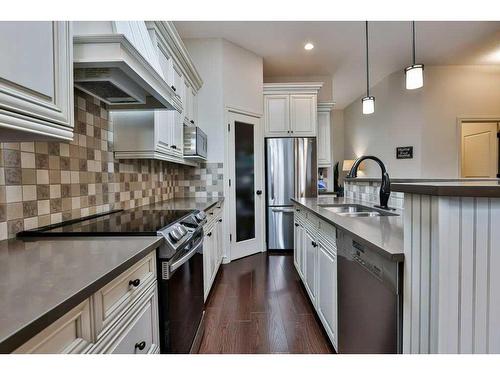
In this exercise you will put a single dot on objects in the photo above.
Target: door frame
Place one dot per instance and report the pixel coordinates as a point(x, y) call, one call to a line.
point(228, 191)
point(475, 118)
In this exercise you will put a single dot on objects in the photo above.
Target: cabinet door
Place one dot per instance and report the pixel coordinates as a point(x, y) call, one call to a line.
point(188, 115)
point(303, 114)
point(311, 249)
point(207, 261)
point(36, 77)
point(167, 67)
point(164, 125)
point(298, 248)
point(179, 85)
point(324, 150)
point(327, 291)
point(194, 106)
point(277, 116)
point(177, 141)
point(220, 245)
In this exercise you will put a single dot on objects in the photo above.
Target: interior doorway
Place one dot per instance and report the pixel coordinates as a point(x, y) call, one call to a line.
point(246, 198)
point(479, 149)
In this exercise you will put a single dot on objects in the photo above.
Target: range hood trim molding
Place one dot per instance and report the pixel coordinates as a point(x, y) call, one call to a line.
point(88, 53)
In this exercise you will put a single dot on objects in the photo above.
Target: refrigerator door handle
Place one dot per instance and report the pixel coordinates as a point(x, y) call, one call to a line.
point(284, 210)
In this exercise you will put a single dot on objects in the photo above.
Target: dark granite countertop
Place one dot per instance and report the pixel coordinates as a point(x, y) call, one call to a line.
point(461, 188)
point(42, 280)
point(418, 180)
point(383, 233)
point(202, 204)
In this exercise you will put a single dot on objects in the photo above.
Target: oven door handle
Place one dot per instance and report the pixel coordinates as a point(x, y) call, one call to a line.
point(178, 263)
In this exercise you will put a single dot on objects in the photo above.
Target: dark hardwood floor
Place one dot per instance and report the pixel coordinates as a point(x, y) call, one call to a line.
point(257, 305)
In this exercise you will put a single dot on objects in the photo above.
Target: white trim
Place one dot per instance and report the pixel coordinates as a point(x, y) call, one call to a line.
point(460, 120)
point(243, 112)
point(292, 87)
point(154, 155)
point(325, 106)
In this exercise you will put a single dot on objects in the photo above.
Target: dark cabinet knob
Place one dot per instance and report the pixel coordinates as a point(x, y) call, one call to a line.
point(209, 234)
point(296, 224)
point(140, 345)
point(173, 88)
point(135, 282)
point(220, 220)
point(192, 122)
point(174, 147)
point(297, 210)
point(314, 244)
point(259, 192)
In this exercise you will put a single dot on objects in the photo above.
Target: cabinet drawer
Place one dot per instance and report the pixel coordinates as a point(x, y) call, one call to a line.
point(72, 333)
point(116, 296)
point(138, 331)
point(328, 232)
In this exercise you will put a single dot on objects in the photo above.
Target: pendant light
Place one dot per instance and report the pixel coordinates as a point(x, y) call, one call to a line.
point(368, 101)
point(415, 72)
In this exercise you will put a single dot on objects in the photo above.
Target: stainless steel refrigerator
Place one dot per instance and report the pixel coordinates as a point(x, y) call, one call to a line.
point(291, 171)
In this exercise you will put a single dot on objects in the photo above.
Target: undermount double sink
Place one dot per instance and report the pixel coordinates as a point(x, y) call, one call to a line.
point(355, 210)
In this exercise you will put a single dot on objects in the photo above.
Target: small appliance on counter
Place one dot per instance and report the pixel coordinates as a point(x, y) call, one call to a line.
point(179, 264)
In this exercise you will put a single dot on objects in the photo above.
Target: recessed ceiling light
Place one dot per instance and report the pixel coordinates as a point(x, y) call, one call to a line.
point(309, 46)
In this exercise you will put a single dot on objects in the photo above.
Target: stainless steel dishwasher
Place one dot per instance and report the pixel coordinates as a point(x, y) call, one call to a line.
point(369, 300)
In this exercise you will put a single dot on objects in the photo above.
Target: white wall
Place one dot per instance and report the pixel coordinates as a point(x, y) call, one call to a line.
point(207, 57)
point(232, 76)
point(243, 78)
point(425, 119)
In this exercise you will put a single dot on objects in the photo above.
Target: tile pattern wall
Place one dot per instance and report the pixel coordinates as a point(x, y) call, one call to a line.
point(205, 181)
point(368, 191)
point(44, 183)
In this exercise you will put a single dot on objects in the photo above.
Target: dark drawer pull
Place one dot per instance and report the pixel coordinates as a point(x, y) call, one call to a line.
point(220, 220)
point(296, 224)
point(297, 210)
point(209, 234)
point(314, 244)
point(174, 147)
point(135, 282)
point(173, 88)
point(140, 345)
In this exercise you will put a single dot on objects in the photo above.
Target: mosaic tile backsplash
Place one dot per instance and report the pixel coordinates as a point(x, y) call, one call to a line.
point(45, 183)
point(368, 191)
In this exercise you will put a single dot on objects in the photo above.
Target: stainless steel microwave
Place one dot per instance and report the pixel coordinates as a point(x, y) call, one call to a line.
point(195, 143)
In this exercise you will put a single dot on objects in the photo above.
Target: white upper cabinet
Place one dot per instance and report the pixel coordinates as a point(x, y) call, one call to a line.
point(290, 109)
point(303, 118)
point(159, 134)
point(276, 109)
point(36, 80)
point(324, 145)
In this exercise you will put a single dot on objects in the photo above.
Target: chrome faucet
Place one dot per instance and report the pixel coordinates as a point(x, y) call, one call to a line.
point(385, 187)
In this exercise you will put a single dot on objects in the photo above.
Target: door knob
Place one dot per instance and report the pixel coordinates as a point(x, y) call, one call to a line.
point(259, 192)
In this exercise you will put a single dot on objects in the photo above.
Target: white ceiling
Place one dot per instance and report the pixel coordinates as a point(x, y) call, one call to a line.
point(340, 50)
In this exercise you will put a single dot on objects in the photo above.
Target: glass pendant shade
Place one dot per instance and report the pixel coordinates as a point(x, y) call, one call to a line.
point(414, 76)
point(368, 104)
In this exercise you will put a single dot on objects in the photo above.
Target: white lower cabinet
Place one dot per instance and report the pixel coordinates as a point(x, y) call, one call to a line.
point(72, 333)
point(212, 247)
point(137, 332)
point(315, 258)
point(327, 290)
point(298, 254)
point(311, 263)
point(122, 317)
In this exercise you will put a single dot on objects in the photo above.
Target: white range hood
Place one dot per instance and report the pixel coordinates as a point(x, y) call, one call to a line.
point(117, 62)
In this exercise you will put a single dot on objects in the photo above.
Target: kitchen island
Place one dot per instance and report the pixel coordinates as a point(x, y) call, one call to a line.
point(452, 257)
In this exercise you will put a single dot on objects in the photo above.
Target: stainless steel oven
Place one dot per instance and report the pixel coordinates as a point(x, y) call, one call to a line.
point(180, 294)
